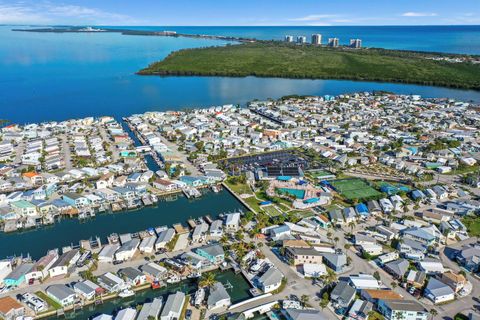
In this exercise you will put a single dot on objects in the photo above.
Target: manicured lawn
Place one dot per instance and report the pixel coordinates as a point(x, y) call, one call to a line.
point(52, 303)
point(277, 59)
point(239, 188)
point(473, 225)
point(354, 189)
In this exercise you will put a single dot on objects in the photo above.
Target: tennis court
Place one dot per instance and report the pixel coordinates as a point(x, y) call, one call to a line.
point(354, 188)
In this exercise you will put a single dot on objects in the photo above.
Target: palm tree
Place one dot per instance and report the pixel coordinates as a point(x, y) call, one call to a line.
point(304, 299)
point(329, 278)
point(352, 225)
point(335, 240)
point(224, 239)
point(207, 280)
point(433, 312)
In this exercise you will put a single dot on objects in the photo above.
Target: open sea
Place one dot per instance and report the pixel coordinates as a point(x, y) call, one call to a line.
point(52, 76)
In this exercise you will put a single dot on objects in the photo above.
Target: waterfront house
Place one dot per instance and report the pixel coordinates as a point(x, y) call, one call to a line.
point(232, 222)
point(154, 271)
point(173, 306)
point(111, 282)
point(107, 253)
point(132, 276)
point(127, 250)
point(24, 208)
point(11, 309)
point(40, 269)
point(164, 238)
point(107, 194)
point(218, 297)
point(5, 268)
point(199, 234)
point(147, 245)
point(64, 263)
point(125, 193)
point(212, 252)
point(74, 199)
point(151, 310)
point(138, 188)
point(216, 229)
point(270, 280)
point(165, 185)
point(438, 292)
point(105, 181)
point(126, 314)
point(396, 309)
point(17, 276)
point(86, 289)
point(192, 181)
point(62, 294)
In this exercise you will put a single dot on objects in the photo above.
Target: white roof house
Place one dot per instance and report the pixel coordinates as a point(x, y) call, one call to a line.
point(364, 281)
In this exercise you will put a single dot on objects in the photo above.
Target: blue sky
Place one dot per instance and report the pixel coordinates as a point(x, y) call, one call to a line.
point(240, 13)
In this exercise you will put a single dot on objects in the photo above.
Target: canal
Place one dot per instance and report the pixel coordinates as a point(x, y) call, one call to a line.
point(235, 284)
point(69, 231)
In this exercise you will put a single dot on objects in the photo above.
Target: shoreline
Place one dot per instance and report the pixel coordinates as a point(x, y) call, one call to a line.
point(291, 61)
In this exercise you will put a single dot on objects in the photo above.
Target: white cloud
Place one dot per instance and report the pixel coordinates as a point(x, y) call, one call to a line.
point(13, 14)
point(47, 13)
point(419, 14)
point(314, 17)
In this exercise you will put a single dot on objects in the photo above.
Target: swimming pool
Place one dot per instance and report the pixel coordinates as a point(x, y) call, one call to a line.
point(297, 193)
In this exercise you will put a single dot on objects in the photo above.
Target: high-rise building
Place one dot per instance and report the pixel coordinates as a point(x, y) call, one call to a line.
point(333, 42)
point(301, 39)
point(288, 38)
point(356, 43)
point(316, 39)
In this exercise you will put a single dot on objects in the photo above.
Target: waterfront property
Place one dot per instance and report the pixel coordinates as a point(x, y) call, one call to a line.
point(38, 241)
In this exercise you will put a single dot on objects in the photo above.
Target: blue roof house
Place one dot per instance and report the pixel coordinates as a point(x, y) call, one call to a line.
point(362, 209)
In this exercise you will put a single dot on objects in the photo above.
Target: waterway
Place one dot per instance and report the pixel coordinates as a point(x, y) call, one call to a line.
point(51, 76)
point(68, 231)
point(236, 285)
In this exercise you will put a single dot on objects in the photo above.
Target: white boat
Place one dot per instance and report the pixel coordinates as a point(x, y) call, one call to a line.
point(125, 293)
point(173, 279)
point(199, 297)
point(194, 275)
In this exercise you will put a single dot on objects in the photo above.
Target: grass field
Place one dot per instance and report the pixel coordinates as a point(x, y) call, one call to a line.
point(277, 59)
point(272, 211)
point(354, 189)
point(473, 225)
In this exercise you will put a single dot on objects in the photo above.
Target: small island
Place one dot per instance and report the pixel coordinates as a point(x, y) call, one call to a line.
point(285, 60)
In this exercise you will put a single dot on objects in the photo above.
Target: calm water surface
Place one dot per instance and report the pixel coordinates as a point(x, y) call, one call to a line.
point(47, 76)
point(237, 287)
point(69, 231)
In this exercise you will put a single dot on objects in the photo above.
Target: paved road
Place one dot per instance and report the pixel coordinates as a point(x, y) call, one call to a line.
point(466, 303)
point(296, 285)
